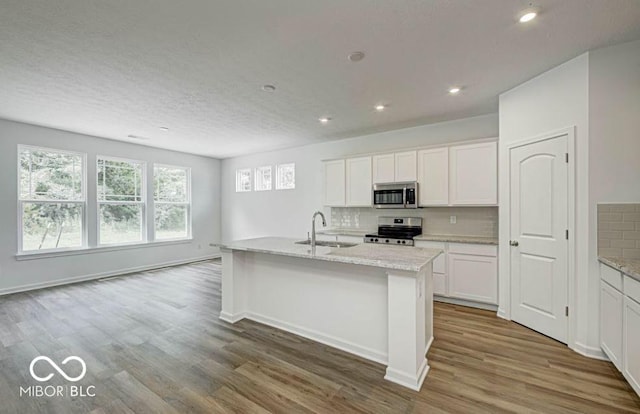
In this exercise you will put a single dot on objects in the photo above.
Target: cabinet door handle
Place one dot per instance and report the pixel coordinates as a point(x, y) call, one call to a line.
point(514, 243)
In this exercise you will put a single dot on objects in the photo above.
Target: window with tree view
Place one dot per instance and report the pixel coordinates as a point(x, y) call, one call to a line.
point(52, 199)
point(172, 202)
point(121, 201)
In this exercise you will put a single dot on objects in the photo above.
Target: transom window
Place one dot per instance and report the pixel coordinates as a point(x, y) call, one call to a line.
point(243, 180)
point(121, 201)
point(52, 199)
point(263, 178)
point(172, 202)
point(285, 176)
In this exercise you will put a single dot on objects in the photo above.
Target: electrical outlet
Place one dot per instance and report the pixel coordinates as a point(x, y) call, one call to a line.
point(453, 219)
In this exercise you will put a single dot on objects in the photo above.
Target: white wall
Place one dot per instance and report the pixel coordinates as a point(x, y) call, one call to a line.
point(21, 275)
point(555, 100)
point(288, 212)
point(614, 140)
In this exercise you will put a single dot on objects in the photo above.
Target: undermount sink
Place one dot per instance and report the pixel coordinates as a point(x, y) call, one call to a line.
point(328, 243)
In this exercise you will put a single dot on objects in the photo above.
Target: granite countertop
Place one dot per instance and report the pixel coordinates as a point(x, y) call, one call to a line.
point(457, 239)
point(345, 232)
point(411, 259)
point(423, 237)
point(629, 267)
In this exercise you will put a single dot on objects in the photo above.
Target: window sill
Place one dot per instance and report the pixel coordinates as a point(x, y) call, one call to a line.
point(101, 249)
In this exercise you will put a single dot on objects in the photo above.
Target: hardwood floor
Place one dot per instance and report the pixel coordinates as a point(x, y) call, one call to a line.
point(152, 343)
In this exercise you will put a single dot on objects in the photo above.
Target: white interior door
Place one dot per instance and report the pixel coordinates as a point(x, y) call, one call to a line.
point(539, 245)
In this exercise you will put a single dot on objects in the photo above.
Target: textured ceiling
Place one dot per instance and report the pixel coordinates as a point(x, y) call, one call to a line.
point(120, 67)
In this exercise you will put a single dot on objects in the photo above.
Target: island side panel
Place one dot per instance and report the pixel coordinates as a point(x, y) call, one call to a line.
point(234, 286)
point(338, 304)
point(410, 326)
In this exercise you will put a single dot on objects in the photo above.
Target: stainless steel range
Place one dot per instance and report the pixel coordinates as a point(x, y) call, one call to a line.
point(396, 230)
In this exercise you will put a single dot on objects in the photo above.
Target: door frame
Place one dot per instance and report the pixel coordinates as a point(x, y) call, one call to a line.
point(505, 308)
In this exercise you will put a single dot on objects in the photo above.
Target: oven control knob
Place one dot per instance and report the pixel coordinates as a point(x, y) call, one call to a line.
point(398, 242)
point(386, 241)
point(404, 242)
point(376, 240)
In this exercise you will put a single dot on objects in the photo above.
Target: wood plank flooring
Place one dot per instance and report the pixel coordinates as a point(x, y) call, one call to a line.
point(153, 343)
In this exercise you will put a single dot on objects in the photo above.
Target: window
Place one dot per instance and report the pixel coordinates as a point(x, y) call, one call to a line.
point(172, 202)
point(285, 176)
point(263, 178)
point(52, 199)
point(121, 201)
point(243, 180)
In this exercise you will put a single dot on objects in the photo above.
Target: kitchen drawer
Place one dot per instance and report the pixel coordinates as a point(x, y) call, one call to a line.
point(632, 288)
point(474, 249)
point(611, 276)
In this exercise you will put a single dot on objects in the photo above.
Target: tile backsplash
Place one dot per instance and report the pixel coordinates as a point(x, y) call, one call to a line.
point(470, 221)
point(619, 230)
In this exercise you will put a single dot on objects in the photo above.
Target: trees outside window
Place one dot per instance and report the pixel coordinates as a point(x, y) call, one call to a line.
point(51, 198)
point(121, 201)
point(172, 202)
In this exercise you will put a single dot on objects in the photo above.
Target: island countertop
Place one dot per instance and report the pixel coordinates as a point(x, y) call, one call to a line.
point(412, 259)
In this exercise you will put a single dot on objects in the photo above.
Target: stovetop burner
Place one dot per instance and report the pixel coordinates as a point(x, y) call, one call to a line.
point(396, 230)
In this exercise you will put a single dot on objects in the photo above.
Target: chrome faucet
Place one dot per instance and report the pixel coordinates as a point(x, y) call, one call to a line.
point(313, 228)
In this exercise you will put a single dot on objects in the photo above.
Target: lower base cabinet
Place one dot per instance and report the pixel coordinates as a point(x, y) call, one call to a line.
point(473, 277)
point(611, 307)
point(620, 322)
point(631, 343)
point(468, 272)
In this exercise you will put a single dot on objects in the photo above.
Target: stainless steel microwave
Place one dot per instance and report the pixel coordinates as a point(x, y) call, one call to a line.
point(396, 195)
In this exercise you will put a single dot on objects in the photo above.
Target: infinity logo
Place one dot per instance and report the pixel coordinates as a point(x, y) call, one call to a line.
point(57, 368)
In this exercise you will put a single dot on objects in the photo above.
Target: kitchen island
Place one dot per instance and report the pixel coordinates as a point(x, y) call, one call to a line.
point(375, 301)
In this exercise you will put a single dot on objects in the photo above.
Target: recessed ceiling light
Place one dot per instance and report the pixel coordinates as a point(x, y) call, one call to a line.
point(528, 15)
point(268, 88)
point(165, 129)
point(137, 137)
point(454, 91)
point(356, 56)
point(324, 120)
point(380, 107)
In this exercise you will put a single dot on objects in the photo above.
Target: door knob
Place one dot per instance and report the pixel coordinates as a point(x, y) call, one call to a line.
point(514, 243)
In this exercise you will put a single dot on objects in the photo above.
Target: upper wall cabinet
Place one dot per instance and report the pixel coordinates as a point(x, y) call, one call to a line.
point(433, 177)
point(383, 168)
point(334, 183)
point(405, 168)
point(473, 174)
point(358, 182)
point(389, 168)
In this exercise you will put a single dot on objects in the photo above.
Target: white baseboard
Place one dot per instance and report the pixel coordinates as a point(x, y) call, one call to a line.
point(590, 351)
point(503, 314)
point(464, 302)
point(85, 278)
point(413, 382)
point(344, 345)
point(227, 317)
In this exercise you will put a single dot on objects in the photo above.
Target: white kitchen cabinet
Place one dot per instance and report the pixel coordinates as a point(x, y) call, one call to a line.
point(473, 177)
point(384, 168)
point(433, 177)
point(611, 310)
point(358, 182)
point(631, 343)
point(396, 167)
point(334, 183)
point(439, 266)
point(405, 166)
point(473, 273)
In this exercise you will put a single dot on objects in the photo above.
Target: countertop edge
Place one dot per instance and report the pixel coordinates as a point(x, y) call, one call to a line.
point(619, 264)
point(357, 261)
point(443, 238)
